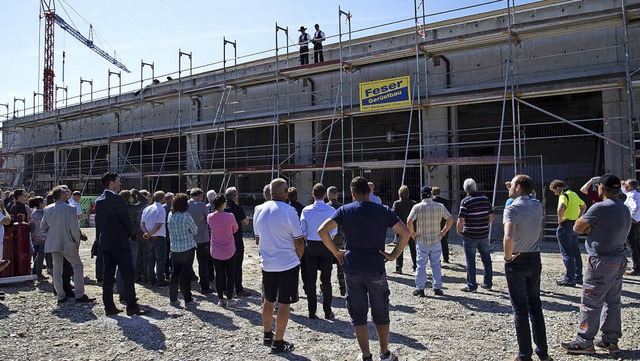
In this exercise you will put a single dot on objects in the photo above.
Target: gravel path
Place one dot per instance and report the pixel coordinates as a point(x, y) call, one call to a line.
point(457, 326)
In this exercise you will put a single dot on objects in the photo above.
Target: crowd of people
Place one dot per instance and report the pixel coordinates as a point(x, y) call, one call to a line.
point(155, 239)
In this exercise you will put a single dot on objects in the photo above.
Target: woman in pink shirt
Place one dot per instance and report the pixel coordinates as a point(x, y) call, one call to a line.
point(223, 249)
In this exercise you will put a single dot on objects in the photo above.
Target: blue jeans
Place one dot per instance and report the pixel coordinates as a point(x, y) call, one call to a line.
point(568, 241)
point(523, 281)
point(133, 245)
point(156, 254)
point(470, 246)
point(426, 254)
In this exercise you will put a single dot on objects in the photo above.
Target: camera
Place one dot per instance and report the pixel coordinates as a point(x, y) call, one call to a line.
point(595, 181)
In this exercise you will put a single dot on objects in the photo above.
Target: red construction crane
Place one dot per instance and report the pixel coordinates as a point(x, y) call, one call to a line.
point(49, 13)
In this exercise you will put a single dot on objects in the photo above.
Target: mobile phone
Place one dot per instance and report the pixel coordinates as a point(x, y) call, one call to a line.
point(595, 181)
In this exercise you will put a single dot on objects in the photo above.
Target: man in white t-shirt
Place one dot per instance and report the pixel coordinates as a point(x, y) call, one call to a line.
point(281, 245)
point(155, 232)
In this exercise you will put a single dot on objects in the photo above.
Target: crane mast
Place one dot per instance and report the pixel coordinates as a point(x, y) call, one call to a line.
point(51, 18)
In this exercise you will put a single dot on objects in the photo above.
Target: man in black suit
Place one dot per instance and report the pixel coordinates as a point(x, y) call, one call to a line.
point(444, 241)
point(113, 228)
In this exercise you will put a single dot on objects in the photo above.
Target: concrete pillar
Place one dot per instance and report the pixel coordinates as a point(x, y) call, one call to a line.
point(114, 157)
point(303, 135)
point(56, 163)
point(617, 160)
point(434, 142)
point(436, 145)
point(193, 160)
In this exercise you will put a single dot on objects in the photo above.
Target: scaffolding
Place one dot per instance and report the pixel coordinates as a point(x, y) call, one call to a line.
point(185, 151)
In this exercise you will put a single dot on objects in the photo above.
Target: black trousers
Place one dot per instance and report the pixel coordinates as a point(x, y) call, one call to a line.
point(122, 259)
point(318, 258)
point(444, 241)
point(141, 258)
point(239, 258)
point(67, 272)
point(204, 261)
point(317, 53)
point(304, 55)
point(634, 244)
point(225, 269)
point(182, 266)
point(412, 249)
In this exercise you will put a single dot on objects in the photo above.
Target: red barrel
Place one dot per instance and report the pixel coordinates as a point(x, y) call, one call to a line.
point(8, 251)
point(22, 251)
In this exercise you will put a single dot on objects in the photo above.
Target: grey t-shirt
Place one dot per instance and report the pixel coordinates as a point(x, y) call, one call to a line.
point(610, 223)
point(199, 213)
point(527, 215)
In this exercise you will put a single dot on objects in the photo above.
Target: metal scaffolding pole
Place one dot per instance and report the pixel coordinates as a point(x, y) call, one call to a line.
point(66, 95)
point(224, 71)
point(179, 120)
point(341, 89)
point(82, 81)
point(598, 135)
point(109, 74)
point(632, 110)
point(512, 50)
point(275, 159)
point(426, 92)
point(508, 68)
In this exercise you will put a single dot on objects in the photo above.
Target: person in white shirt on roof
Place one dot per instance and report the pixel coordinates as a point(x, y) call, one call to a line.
point(318, 38)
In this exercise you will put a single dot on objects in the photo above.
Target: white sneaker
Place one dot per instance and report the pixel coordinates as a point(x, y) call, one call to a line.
point(390, 357)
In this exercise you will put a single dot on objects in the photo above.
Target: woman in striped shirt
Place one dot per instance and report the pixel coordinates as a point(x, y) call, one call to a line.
point(183, 246)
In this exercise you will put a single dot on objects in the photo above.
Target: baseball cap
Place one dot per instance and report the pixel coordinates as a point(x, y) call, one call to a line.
point(610, 181)
point(425, 191)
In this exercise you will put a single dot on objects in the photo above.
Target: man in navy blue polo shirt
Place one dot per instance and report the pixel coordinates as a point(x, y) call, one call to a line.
point(365, 226)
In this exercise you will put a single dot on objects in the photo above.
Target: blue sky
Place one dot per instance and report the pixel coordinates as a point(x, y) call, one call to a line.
point(154, 31)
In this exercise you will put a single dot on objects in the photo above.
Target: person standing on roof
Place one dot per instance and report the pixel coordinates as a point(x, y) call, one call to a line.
point(318, 38)
point(303, 42)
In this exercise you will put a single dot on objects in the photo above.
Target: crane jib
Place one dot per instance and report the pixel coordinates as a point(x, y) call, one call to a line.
point(76, 34)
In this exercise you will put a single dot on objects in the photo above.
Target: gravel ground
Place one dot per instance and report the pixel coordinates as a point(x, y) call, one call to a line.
point(457, 326)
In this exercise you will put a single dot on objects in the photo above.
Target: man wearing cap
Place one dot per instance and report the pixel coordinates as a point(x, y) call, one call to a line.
point(427, 216)
point(570, 208)
point(303, 42)
point(606, 224)
point(318, 38)
point(522, 226)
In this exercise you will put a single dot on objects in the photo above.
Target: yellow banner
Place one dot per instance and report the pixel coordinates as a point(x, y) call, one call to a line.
point(385, 94)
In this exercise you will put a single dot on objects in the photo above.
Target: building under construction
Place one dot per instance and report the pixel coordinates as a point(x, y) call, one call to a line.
point(545, 88)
